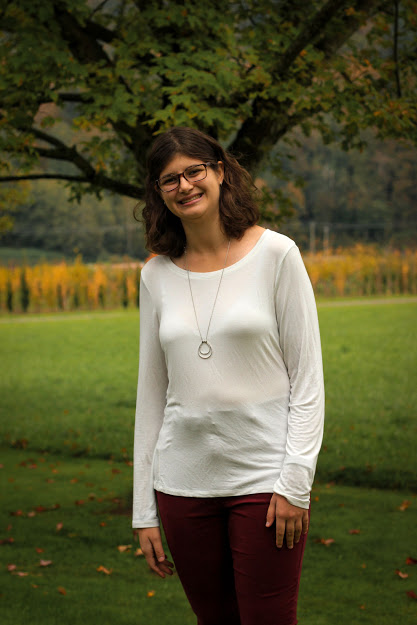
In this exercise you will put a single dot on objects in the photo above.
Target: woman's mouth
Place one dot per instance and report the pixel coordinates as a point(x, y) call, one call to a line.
point(190, 199)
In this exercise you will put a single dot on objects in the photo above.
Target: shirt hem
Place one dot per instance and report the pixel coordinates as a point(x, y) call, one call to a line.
point(233, 492)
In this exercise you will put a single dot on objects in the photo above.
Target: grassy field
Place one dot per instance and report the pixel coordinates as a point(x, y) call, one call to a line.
point(67, 389)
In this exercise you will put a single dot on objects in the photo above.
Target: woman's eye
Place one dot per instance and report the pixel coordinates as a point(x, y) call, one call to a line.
point(169, 180)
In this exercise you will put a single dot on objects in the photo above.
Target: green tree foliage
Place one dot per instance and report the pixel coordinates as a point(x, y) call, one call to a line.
point(87, 84)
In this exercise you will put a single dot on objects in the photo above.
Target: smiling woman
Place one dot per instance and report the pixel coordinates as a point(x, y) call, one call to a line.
point(237, 204)
point(230, 400)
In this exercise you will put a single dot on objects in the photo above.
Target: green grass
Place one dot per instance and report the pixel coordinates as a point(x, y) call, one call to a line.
point(67, 389)
point(370, 360)
point(69, 385)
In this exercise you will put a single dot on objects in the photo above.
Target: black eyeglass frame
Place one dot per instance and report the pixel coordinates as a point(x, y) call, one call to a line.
point(205, 165)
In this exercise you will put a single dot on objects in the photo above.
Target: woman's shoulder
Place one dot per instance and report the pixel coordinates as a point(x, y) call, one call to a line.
point(154, 266)
point(278, 244)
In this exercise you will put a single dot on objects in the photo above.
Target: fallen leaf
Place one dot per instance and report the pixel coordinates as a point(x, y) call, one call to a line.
point(362, 607)
point(11, 567)
point(5, 541)
point(401, 574)
point(102, 569)
point(103, 524)
point(405, 504)
point(116, 471)
point(45, 562)
point(80, 502)
point(50, 480)
point(138, 552)
point(41, 509)
point(34, 585)
point(150, 593)
point(62, 590)
point(17, 513)
point(31, 514)
point(9, 527)
point(22, 574)
point(39, 550)
point(74, 480)
point(354, 531)
point(411, 594)
point(324, 541)
point(123, 548)
point(59, 527)
point(316, 498)
point(411, 561)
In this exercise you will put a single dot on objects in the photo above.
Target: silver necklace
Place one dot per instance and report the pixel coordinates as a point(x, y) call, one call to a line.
point(205, 350)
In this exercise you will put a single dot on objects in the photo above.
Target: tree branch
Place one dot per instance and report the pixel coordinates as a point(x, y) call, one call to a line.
point(42, 177)
point(44, 136)
point(99, 182)
point(75, 97)
point(271, 119)
point(308, 34)
point(395, 51)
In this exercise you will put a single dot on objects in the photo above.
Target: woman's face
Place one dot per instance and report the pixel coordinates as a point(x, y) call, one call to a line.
point(195, 200)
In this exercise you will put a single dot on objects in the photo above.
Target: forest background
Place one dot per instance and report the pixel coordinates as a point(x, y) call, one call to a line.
point(319, 101)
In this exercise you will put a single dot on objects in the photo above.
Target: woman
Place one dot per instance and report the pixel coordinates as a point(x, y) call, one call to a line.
point(230, 398)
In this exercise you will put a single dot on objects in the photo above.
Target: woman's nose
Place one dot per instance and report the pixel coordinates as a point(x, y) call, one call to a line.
point(184, 184)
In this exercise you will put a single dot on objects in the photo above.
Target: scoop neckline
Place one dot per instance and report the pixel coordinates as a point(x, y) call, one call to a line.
point(210, 274)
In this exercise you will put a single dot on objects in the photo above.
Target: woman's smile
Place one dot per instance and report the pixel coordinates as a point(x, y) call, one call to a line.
point(191, 199)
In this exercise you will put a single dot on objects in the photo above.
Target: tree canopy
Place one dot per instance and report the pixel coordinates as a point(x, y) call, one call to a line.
point(85, 85)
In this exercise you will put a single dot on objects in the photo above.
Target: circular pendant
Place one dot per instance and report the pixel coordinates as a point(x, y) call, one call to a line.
point(205, 350)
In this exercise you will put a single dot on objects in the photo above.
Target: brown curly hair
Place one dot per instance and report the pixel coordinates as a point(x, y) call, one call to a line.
point(237, 206)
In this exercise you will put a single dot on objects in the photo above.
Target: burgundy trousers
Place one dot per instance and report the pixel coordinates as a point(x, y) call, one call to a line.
point(227, 561)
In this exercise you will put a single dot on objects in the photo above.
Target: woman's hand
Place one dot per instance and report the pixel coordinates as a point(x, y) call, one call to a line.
point(290, 520)
point(151, 545)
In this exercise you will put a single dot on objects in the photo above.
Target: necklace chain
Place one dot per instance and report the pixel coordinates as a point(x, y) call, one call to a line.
point(205, 350)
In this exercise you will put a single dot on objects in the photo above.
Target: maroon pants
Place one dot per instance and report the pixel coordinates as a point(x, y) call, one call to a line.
point(227, 561)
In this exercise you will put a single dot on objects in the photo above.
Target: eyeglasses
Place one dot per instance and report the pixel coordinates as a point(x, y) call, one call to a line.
point(194, 173)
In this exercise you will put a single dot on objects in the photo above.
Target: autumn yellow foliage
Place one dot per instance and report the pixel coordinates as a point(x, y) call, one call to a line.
point(70, 286)
point(363, 270)
point(354, 271)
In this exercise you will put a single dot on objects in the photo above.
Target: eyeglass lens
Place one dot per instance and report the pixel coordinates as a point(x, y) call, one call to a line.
point(194, 173)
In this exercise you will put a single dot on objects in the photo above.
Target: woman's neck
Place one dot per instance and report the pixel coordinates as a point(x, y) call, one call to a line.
point(205, 241)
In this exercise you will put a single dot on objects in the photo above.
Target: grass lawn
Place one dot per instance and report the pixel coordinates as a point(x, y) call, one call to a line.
point(67, 389)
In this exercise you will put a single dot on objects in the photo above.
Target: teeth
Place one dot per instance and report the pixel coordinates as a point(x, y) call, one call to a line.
point(194, 197)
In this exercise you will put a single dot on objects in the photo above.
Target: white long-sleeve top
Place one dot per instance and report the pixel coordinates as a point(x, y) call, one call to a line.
point(250, 418)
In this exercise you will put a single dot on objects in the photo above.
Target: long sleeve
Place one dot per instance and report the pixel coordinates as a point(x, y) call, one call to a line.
point(300, 343)
point(150, 405)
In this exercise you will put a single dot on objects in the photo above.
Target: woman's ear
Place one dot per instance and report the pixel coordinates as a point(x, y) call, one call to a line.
point(220, 171)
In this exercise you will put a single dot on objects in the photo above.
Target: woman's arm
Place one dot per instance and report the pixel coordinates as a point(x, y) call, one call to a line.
point(300, 343)
point(150, 406)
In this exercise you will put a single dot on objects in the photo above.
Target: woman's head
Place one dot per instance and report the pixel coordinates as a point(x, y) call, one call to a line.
point(237, 207)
